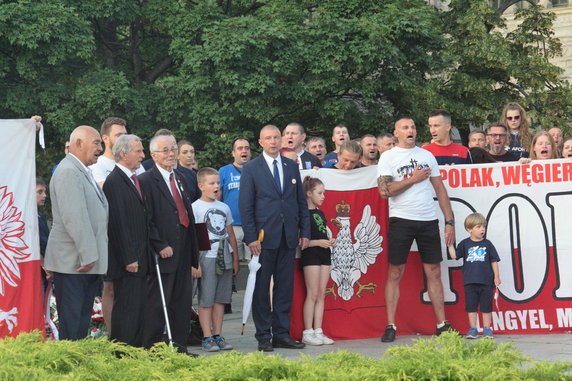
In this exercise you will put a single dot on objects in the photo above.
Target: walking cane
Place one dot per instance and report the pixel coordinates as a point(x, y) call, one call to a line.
point(163, 300)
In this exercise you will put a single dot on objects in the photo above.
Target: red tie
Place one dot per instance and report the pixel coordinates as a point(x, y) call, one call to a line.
point(136, 182)
point(183, 216)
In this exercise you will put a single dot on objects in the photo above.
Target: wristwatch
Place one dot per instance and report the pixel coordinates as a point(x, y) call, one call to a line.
point(450, 222)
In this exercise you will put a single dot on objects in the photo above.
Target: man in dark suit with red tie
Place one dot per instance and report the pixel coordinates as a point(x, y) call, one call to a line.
point(173, 238)
point(128, 235)
point(271, 198)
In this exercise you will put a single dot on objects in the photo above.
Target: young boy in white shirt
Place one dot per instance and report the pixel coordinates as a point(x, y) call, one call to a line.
point(218, 264)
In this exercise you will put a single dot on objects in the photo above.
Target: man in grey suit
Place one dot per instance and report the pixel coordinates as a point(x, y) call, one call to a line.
point(77, 246)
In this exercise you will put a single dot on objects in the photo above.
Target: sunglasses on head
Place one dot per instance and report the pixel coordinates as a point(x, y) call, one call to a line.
point(517, 117)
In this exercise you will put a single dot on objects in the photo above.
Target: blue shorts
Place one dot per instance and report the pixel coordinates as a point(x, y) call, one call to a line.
point(479, 295)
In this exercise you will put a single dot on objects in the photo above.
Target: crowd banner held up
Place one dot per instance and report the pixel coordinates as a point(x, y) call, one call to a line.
point(527, 209)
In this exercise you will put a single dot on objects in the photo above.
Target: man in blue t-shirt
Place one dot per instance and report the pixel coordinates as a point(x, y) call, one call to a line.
point(230, 185)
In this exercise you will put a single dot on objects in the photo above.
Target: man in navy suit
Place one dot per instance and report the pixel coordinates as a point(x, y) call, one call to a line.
point(272, 198)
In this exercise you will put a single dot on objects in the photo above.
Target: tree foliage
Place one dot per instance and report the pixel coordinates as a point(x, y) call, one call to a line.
point(212, 70)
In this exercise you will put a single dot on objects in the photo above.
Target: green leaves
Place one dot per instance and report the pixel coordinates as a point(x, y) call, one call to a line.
point(213, 67)
point(447, 357)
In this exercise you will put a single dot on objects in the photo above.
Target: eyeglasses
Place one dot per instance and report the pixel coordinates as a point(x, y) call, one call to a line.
point(494, 136)
point(517, 117)
point(167, 150)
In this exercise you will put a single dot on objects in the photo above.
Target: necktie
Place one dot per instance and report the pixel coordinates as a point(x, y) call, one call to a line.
point(276, 175)
point(183, 216)
point(136, 183)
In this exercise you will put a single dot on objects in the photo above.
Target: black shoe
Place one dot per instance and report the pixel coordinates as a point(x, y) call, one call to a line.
point(265, 346)
point(446, 328)
point(287, 342)
point(192, 354)
point(389, 334)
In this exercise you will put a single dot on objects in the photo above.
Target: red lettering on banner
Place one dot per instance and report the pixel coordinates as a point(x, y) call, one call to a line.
point(537, 173)
point(566, 171)
point(454, 178)
point(511, 174)
point(556, 176)
point(468, 178)
point(443, 174)
point(487, 177)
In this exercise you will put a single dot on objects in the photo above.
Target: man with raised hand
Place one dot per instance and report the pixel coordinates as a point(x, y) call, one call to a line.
point(407, 176)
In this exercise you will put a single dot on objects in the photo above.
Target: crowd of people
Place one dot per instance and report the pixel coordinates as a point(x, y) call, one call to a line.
point(147, 228)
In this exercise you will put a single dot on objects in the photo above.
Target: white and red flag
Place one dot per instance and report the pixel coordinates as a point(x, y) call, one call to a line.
point(20, 284)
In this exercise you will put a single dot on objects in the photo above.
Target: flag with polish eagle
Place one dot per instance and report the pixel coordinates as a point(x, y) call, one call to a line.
point(20, 285)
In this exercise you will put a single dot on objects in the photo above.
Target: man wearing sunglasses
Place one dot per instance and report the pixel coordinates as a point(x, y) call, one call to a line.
point(497, 136)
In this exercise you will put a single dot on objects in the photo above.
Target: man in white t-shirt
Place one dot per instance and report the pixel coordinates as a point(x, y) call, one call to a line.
point(407, 176)
point(111, 129)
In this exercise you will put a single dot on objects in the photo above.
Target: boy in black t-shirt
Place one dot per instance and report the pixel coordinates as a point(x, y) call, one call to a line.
point(480, 273)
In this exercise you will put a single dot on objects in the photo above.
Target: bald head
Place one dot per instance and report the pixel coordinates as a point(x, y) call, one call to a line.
point(270, 140)
point(268, 128)
point(85, 144)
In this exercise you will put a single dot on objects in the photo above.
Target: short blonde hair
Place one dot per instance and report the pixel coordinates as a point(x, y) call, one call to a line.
point(475, 219)
point(204, 173)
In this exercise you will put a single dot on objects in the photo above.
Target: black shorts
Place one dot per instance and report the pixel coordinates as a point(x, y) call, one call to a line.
point(402, 232)
point(316, 256)
point(479, 295)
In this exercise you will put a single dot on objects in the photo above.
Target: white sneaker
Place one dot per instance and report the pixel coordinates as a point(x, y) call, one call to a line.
point(309, 338)
point(319, 334)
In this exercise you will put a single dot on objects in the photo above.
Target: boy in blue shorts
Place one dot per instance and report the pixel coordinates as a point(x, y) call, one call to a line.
point(480, 273)
point(217, 265)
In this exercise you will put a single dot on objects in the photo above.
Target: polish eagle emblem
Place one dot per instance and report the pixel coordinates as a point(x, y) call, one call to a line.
point(350, 260)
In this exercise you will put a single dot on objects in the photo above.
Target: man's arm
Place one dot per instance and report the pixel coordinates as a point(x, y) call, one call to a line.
point(445, 205)
point(389, 188)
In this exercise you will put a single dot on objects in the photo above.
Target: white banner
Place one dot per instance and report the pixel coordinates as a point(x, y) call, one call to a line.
point(20, 287)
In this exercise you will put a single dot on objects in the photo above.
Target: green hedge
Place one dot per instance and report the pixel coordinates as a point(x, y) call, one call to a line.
point(448, 357)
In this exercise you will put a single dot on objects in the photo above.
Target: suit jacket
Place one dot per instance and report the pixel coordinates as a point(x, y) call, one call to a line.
point(128, 228)
point(164, 220)
point(79, 230)
point(313, 160)
point(190, 176)
point(263, 206)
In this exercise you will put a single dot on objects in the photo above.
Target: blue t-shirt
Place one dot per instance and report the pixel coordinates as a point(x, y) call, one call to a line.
point(477, 257)
point(331, 159)
point(230, 186)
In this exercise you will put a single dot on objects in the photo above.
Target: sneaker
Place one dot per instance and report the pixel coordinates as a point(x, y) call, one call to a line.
point(309, 338)
point(445, 328)
point(209, 345)
point(222, 343)
point(320, 335)
point(473, 333)
point(389, 334)
point(488, 333)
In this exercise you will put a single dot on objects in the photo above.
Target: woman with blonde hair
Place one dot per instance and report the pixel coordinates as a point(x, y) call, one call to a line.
point(514, 116)
point(542, 147)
